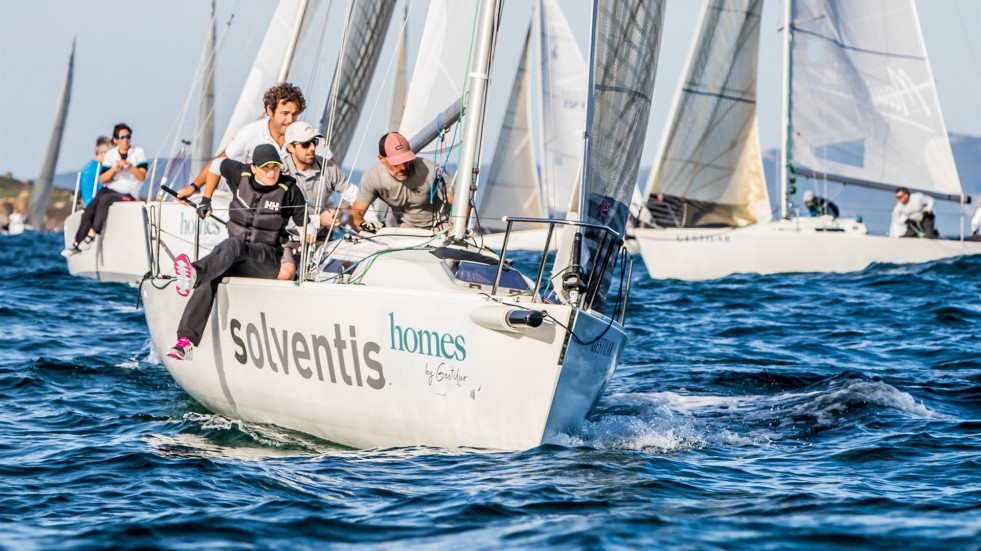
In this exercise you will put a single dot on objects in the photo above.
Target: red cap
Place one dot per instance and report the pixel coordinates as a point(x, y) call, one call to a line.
point(397, 150)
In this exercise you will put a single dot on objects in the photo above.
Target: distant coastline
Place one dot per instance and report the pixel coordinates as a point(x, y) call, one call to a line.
point(14, 195)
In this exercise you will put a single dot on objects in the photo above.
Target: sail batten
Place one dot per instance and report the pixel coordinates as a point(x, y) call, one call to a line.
point(709, 170)
point(864, 104)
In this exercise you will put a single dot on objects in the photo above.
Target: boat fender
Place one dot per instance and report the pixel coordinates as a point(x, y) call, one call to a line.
point(504, 318)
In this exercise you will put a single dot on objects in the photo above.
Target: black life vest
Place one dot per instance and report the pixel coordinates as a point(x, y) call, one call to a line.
point(256, 216)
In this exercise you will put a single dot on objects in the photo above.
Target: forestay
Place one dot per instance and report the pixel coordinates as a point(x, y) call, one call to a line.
point(710, 171)
point(864, 106)
point(512, 187)
point(440, 71)
point(627, 35)
point(365, 32)
point(563, 106)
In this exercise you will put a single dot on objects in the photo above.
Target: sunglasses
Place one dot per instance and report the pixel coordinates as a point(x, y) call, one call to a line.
point(124, 136)
point(308, 143)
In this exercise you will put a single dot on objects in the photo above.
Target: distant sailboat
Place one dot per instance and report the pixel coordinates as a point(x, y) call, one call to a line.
point(204, 136)
point(860, 107)
point(41, 195)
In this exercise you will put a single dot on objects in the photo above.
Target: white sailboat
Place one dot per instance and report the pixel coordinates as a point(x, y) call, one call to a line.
point(410, 338)
point(120, 254)
point(861, 109)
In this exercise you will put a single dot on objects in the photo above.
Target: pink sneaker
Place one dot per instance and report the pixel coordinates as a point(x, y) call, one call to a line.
point(186, 274)
point(181, 350)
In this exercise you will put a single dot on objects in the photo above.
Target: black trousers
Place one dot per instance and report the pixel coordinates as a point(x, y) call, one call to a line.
point(232, 257)
point(923, 228)
point(94, 216)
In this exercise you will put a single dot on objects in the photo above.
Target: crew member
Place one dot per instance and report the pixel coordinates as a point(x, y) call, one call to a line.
point(913, 215)
point(819, 206)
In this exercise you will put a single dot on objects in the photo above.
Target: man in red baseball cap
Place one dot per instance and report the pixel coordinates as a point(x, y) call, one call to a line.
point(419, 192)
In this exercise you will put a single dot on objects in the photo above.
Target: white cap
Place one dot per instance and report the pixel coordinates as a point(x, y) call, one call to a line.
point(808, 195)
point(301, 131)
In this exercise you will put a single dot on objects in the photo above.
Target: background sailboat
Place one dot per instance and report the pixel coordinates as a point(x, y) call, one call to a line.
point(860, 109)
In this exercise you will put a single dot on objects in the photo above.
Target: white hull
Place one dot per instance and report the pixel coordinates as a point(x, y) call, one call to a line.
point(121, 255)
point(346, 363)
point(798, 245)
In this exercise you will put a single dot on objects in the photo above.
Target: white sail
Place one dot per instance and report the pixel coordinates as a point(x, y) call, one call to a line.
point(864, 106)
point(292, 19)
point(366, 29)
point(511, 188)
point(41, 194)
point(398, 84)
point(563, 106)
point(204, 136)
point(710, 170)
point(440, 72)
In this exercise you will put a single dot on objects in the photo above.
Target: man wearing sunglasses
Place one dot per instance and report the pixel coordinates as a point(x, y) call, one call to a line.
point(122, 174)
point(318, 179)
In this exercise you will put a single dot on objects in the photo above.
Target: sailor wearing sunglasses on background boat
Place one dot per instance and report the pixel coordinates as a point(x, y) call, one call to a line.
point(283, 104)
point(265, 199)
point(913, 215)
point(317, 178)
point(122, 173)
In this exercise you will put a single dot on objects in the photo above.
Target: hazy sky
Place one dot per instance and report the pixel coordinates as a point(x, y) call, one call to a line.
point(136, 60)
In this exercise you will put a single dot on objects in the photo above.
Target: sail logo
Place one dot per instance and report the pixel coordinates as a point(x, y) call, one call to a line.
point(426, 342)
point(264, 346)
point(900, 95)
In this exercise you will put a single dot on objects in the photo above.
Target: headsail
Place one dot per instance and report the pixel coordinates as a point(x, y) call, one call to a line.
point(289, 21)
point(563, 106)
point(365, 31)
point(864, 106)
point(204, 136)
point(42, 189)
point(511, 188)
point(627, 37)
point(709, 171)
point(440, 72)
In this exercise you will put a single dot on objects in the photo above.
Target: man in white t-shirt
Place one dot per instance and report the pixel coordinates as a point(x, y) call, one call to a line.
point(283, 103)
point(913, 215)
point(122, 174)
point(976, 226)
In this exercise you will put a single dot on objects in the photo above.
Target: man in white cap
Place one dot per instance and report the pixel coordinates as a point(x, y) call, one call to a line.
point(317, 178)
point(819, 206)
point(265, 199)
point(419, 192)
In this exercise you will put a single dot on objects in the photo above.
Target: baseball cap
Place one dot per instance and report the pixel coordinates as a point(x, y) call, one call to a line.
point(395, 148)
point(808, 196)
point(301, 132)
point(265, 154)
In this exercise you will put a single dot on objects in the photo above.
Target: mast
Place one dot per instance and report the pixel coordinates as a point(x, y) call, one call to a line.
point(479, 75)
point(41, 194)
point(205, 135)
point(284, 70)
point(538, 63)
point(785, 187)
point(584, 173)
point(398, 87)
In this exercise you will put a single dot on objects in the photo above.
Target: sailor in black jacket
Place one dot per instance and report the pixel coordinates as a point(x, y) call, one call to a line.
point(264, 199)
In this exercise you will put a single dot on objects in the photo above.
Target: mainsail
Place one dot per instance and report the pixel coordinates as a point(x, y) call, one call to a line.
point(204, 136)
point(365, 35)
point(292, 19)
point(626, 40)
point(512, 187)
point(864, 107)
point(563, 106)
point(440, 72)
point(42, 189)
point(710, 171)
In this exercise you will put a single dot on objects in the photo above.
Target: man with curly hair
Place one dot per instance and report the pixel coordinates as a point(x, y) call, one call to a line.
point(283, 103)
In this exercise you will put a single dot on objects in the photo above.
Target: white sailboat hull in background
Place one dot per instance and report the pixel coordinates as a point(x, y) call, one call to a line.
point(783, 246)
point(120, 254)
point(345, 363)
point(521, 240)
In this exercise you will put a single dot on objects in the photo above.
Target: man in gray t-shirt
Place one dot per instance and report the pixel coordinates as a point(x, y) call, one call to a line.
point(405, 182)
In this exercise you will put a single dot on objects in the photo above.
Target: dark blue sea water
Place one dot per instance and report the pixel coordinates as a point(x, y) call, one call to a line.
point(777, 412)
